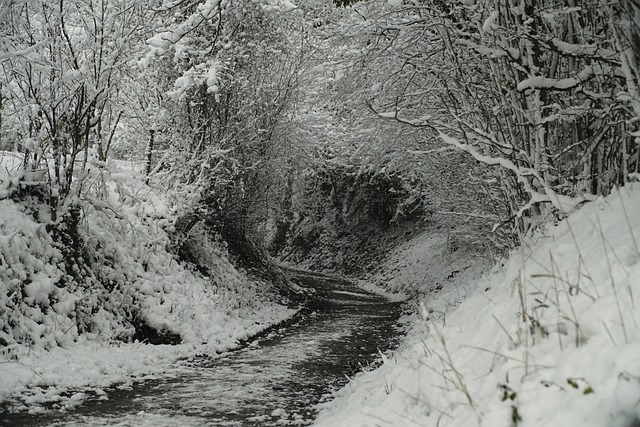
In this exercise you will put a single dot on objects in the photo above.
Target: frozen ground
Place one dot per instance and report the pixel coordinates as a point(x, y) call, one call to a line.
point(551, 337)
point(427, 265)
point(64, 377)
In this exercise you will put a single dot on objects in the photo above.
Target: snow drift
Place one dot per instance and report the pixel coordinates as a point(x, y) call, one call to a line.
point(550, 338)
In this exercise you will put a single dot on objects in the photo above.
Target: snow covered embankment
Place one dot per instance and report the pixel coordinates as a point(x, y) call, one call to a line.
point(551, 339)
point(65, 332)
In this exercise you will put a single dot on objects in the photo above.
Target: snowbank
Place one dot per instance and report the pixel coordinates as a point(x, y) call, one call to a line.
point(552, 338)
point(428, 264)
point(73, 306)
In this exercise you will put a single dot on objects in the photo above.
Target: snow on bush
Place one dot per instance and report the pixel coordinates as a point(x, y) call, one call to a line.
point(106, 273)
point(551, 339)
point(35, 312)
point(77, 295)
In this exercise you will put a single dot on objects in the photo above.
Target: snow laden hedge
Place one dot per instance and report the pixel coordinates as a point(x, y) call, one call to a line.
point(35, 311)
point(552, 339)
point(104, 273)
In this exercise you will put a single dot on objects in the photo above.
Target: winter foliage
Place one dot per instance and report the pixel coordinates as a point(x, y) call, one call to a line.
point(156, 154)
point(543, 94)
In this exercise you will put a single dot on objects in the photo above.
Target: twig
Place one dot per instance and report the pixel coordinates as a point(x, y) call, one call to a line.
point(26, 366)
point(613, 282)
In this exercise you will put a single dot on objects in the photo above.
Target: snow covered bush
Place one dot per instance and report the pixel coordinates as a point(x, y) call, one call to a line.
point(104, 271)
point(36, 312)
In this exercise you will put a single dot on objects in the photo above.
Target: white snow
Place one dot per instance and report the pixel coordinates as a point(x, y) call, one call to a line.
point(43, 355)
point(490, 22)
point(551, 337)
point(541, 82)
point(279, 5)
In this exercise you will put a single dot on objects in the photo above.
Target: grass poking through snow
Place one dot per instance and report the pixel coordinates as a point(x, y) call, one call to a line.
point(551, 338)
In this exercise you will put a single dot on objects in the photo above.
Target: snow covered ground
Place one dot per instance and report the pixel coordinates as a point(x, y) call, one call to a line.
point(65, 333)
point(424, 265)
point(551, 337)
point(63, 377)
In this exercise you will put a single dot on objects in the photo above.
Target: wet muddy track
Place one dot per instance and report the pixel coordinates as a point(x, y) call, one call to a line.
point(274, 380)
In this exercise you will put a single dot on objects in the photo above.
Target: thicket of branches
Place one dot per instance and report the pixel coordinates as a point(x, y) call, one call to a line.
point(487, 114)
point(202, 90)
point(63, 69)
point(542, 96)
point(236, 71)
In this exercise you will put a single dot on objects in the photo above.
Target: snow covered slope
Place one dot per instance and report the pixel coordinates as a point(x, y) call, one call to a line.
point(72, 309)
point(550, 339)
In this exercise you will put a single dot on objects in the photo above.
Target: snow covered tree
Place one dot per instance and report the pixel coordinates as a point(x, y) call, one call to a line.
point(543, 91)
point(231, 72)
point(62, 66)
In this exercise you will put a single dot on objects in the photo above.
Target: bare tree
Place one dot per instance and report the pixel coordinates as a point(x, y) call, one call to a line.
point(543, 91)
point(62, 64)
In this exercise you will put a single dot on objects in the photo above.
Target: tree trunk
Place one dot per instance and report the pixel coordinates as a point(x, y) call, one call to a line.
point(148, 154)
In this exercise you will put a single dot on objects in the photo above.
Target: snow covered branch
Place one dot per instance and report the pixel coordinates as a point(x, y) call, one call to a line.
point(563, 204)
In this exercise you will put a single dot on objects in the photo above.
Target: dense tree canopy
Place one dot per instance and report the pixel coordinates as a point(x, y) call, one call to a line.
point(544, 94)
point(485, 115)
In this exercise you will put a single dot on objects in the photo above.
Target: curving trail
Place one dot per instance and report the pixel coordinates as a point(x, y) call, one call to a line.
point(275, 380)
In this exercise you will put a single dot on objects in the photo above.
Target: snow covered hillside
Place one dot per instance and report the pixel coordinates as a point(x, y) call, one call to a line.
point(81, 304)
point(549, 338)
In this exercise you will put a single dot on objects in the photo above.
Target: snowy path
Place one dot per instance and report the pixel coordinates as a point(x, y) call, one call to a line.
point(273, 381)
